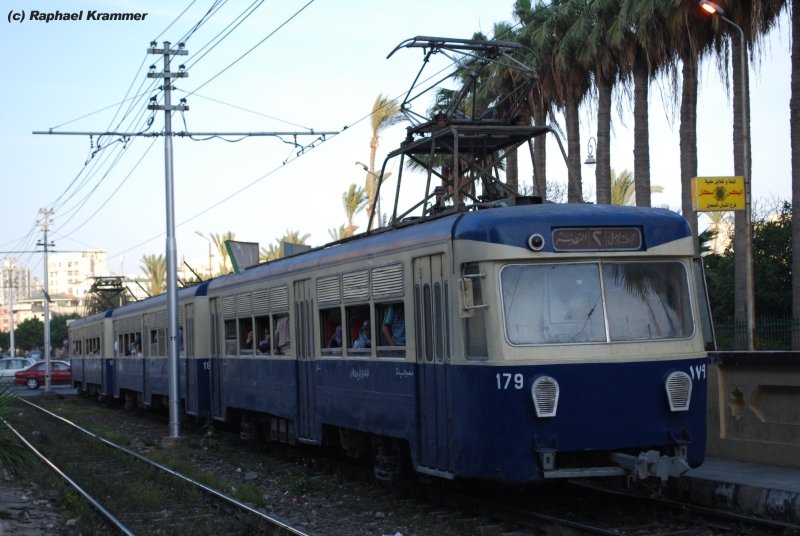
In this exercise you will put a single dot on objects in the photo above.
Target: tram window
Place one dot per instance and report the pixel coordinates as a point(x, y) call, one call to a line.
point(330, 327)
point(230, 337)
point(264, 333)
point(359, 331)
point(136, 343)
point(706, 324)
point(475, 325)
point(565, 303)
point(647, 301)
point(247, 336)
point(282, 335)
point(391, 329)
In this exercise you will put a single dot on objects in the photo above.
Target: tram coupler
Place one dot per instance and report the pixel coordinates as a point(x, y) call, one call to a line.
point(653, 463)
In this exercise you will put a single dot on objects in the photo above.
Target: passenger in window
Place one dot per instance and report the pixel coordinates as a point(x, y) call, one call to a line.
point(248, 340)
point(394, 325)
point(336, 339)
point(263, 344)
point(363, 340)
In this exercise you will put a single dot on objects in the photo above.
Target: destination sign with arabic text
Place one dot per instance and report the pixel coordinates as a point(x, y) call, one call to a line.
point(597, 239)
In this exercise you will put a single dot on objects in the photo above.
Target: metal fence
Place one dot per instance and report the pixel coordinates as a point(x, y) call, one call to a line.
point(771, 333)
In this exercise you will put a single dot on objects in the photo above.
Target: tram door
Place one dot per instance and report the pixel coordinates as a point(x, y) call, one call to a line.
point(215, 362)
point(303, 342)
point(432, 326)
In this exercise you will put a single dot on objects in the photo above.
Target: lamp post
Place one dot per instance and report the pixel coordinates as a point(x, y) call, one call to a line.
point(204, 237)
point(716, 10)
point(592, 147)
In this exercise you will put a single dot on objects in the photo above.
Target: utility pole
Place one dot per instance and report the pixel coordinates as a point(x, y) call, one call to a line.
point(172, 263)
point(172, 273)
point(45, 223)
point(11, 346)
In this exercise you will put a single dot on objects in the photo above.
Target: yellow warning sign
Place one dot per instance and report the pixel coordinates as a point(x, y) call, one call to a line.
point(710, 194)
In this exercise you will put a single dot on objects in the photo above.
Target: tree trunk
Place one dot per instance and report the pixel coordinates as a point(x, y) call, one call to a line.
point(574, 182)
point(641, 130)
point(512, 171)
point(603, 166)
point(741, 219)
point(688, 143)
point(540, 156)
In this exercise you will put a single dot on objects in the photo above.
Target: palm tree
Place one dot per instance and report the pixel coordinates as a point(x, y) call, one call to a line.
point(13, 455)
point(640, 35)
point(219, 243)
point(385, 113)
point(543, 97)
point(755, 20)
point(717, 219)
point(691, 39)
point(623, 188)
point(278, 249)
point(155, 269)
point(603, 61)
point(549, 31)
point(353, 200)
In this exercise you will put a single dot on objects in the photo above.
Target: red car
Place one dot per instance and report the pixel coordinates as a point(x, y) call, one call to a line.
point(33, 376)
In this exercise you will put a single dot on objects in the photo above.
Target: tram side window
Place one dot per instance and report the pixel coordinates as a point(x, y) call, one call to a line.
point(247, 336)
point(475, 325)
point(330, 321)
point(391, 333)
point(282, 335)
point(230, 337)
point(264, 333)
point(137, 343)
point(358, 332)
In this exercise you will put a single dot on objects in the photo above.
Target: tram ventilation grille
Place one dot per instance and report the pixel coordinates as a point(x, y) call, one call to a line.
point(545, 392)
point(679, 391)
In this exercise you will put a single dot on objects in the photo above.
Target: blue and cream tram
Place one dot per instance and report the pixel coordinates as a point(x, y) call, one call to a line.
point(484, 336)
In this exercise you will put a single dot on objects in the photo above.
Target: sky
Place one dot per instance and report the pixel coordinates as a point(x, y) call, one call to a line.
point(299, 66)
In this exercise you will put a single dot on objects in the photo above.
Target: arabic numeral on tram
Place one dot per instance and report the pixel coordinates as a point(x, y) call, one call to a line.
point(506, 380)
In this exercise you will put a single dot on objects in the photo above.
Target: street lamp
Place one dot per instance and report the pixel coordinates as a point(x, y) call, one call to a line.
point(716, 10)
point(590, 159)
point(198, 233)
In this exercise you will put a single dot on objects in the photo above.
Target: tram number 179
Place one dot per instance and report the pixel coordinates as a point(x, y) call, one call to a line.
point(506, 380)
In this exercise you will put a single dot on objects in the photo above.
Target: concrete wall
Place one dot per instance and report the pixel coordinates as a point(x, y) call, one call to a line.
point(754, 407)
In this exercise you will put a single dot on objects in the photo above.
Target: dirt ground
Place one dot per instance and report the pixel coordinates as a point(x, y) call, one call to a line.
point(26, 510)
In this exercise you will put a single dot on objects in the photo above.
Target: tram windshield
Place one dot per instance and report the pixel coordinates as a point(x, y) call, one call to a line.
point(596, 302)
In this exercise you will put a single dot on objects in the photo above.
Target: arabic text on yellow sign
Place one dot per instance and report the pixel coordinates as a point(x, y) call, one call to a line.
point(718, 193)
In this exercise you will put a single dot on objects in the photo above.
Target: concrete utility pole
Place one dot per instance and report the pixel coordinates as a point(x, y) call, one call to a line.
point(45, 223)
point(172, 263)
point(11, 346)
point(172, 274)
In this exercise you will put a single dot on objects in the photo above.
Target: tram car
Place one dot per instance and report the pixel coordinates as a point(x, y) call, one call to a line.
point(492, 337)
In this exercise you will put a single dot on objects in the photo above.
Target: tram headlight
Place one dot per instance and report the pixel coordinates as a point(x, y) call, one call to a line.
point(544, 392)
point(679, 391)
point(536, 242)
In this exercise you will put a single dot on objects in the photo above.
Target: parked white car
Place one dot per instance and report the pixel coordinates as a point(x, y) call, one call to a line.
point(10, 365)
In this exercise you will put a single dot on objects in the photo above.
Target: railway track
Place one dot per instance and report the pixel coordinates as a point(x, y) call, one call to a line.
point(555, 508)
point(591, 509)
point(131, 493)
